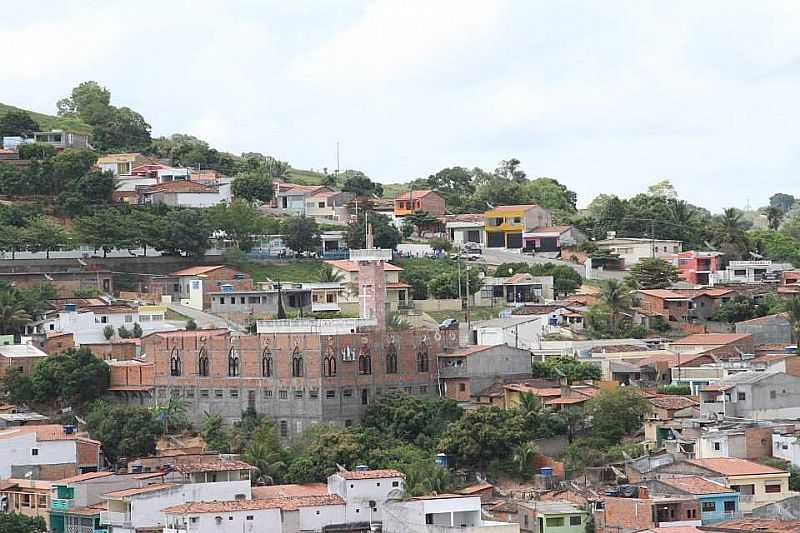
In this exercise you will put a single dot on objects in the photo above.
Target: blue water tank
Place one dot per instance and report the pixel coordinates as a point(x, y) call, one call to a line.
point(137, 468)
point(546, 471)
point(361, 468)
point(70, 308)
point(227, 288)
point(441, 459)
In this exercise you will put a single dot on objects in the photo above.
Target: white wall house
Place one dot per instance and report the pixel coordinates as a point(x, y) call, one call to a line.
point(365, 491)
point(431, 514)
point(633, 250)
point(749, 272)
point(786, 447)
point(24, 450)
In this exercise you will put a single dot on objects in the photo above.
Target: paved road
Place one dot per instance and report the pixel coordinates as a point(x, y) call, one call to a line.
point(202, 319)
point(497, 256)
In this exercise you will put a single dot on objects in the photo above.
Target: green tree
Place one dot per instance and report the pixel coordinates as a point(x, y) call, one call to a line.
point(654, 273)
point(440, 245)
point(301, 234)
point(42, 234)
point(523, 455)
point(510, 169)
point(565, 367)
point(104, 229)
point(84, 101)
point(616, 413)
point(36, 151)
point(11, 522)
point(446, 284)
point(455, 184)
point(108, 332)
point(121, 129)
point(410, 418)
point(775, 245)
point(737, 309)
point(17, 122)
point(265, 452)
point(137, 330)
point(253, 186)
point(146, 228)
point(359, 183)
point(327, 274)
point(319, 449)
point(616, 297)
point(215, 433)
point(774, 217)
point(125, 430)
point(187, 231)
point(172, 415)
point(239, 221)
point(421, 220)
point(74, 377)
point(728, 233)
point(385, 234)
point(793, 314)
point(482, 435)
point(17, 386)
point(276, 169)
point(191, 325)
point(782, 201)
point(13, 316)
point(96, 187)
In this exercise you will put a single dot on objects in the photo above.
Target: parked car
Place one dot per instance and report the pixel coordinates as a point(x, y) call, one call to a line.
point(449, 323)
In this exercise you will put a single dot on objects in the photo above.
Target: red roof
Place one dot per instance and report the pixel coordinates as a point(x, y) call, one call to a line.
point(672, 403)
point(705, 339)
point(664, 294)
point(289, 491)
point(286, 504)
point(219, 465)
point(733, 466)
point(180, 186)
point(197, 270)
point(352, 266)
point(696, 485)
point(467, 351)
point(369, 474)
point(398, 285)
point(45, 432)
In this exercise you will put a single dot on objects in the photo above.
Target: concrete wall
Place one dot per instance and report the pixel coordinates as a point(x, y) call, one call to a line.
point(19, 451)
point(438, 305)
point(768, 330)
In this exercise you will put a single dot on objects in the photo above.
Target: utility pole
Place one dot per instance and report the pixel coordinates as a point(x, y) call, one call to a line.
point(652, 238)
point(469, 328)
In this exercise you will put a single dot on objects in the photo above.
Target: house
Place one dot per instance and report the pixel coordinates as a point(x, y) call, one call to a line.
point(752, 524)
point(753, 441)
point(28, 497)
point(61, 139)
point(551, 517)
point(464, 228)
point(464, 372)
point(517, 289)
point(717, 501)
point(186, 194)
point(696, 267)
point(788, 363)
point(329, 206)
point(504, 225)
point(121, 164)
point(632, 249)
point(66, 282)
point(136, 509)
point(786, 446)
point(46, 451)
point(707, 301)
point(756, 484)
point(366, 491)
point(397, 292)
point(753, 395)
point(129, 188)
point(750, 272)
point(770, 329)
point(21, 357)
point(722, 345)
point(76, 502)
point(669, 305)
point(408, 203)
point(643, 511)
point(171, 174)
point(552, 238)
point(194, 285)
point(292, 199)
point(444, 512)
point(263, 302)
point(334, 244)
point(522, 331)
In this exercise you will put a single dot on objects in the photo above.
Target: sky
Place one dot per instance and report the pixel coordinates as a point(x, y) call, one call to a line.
point(606, 97)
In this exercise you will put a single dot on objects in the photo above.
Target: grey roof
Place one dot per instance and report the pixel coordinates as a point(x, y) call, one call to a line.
point(557, 507)
point(748, 377)
point(509, 322)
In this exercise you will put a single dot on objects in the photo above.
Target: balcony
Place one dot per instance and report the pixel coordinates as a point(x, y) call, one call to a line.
point(115, 519)
point(60, 504)
point(371, 254)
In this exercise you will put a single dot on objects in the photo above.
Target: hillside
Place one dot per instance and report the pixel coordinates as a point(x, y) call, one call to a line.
point(49, 122)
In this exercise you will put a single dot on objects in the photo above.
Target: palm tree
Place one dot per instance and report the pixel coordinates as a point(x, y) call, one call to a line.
point(774, 216)
point(616, 297)
point(793, 314)
point(573, 418)
point(329, 275)
point(729, 233)
point(12, 312)
point(266, 459)
point(523, 455)
point(172, 414)
point(396, 322)
point(530, 404)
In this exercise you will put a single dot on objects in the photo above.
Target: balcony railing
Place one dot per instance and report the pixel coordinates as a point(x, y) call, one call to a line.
point(60, 504)
point(115, 519)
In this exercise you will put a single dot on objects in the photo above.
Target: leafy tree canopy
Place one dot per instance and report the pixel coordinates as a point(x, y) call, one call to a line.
point(18, 123)
point(654, 273)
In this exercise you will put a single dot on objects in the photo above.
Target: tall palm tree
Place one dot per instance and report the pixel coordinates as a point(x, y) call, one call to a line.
point(617, 298)
point(12, 312)
point(729, 233)
point(523, 455)
point(266, 459)
point(573, 418)
point(172, 414)
point(327, 274)
point(774, 216)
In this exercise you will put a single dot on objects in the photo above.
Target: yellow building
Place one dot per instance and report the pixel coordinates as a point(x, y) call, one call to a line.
point(756, 484)
point(505, 224)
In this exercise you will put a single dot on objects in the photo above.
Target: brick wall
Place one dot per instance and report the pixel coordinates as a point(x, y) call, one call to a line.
point(88, 454)
point(758, 442)
point(453, 389)
point(121, 351)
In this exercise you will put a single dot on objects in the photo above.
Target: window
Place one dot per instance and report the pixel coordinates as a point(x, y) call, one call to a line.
point(190, 393)
point(575, 520)
point(462, 387)
point(283, 395)
point(730, 506)
point(717, 446)
point(34, 451)
point(391, 359)
point(204, 393)
point(364, 362)
point(423, 389)
point(128, 318)
point(395, 483)
point(347, 393)
point(233, 362)
point(329, 362)
point(364, 396)
point(556, 521)
point(772, 488)
point(297, 363)
point(691, 513)
point(202, 362)
point(248, 517)
point(298, 394)
point(773, 394)
point(525, 520)
point(268, 393)
point(266, 363)
point(422, 357)
point(234, 393)
point(218, 393)
point(284, 428)
point(313, 393)
point(741, 396)
point(709, 507)
point(348, 423)
point(222, 300)
point(175, 362)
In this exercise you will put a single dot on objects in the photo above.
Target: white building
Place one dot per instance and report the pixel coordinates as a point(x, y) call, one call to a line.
point(366, 491)
point(786, 446)
point(523, 331)
point(633, 250)
point(397, 292)
point(437, 514)
point(132, 510)
point(750, 272)
point(46, 452)
point(465, 228)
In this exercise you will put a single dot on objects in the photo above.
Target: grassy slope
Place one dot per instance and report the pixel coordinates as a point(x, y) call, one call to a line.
point(49, 122)
point(307, 177)
point(299, 271)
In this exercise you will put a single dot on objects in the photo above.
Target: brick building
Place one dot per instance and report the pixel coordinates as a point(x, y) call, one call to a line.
point(626, 515)
point(669, 305)
point(408, 203)
point(193, 286)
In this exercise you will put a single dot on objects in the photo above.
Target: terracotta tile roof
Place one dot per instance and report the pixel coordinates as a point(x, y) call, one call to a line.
point(90, 510)
point(190, 333)
point(478, 487)
point(567, 401)
point(289, 491)
point(197, 270)
point(520, 387)
point(671, 359)
point(286, 504)
point(696, 485)
point(619, 348)
point(503, 208)
point(469, 350)
point(414, 194)
point(711, 339)
point(352, 266)
point(766, 319)
point(464, 217)
point(306, 189)
point(46, 432)
point(180, 186)
point(82, 477)
point(672, 403)
point(119, 494)
point(762, 525)
point(664, 294)
point(549, 229)
point(369, 474)
point(212, 466)
point(732, 466)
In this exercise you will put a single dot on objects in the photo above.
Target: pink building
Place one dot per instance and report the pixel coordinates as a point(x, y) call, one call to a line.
point(696, 267)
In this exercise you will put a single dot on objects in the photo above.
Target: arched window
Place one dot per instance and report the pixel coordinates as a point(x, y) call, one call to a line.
point(175, 362)
point(329, 362)
point(422, 358)
point(391, 358)
point(364, 362)
point(266, 363)
point(233, 362)
point(202, 362)
point(297, 363)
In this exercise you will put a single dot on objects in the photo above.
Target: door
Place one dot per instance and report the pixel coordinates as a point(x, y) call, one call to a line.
point(495, 239)
point(514, 240)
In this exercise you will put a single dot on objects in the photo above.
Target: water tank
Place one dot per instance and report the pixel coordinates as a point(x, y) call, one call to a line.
point(546, 471)
point(70, 308)
point(227, 287)
point(441, 459)
point(69, 430)
point(361, 468)
point(137, 468)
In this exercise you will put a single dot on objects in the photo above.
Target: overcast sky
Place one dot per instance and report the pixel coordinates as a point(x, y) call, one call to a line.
point(603, 96)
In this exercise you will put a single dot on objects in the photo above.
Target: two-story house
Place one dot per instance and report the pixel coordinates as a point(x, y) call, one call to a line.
point(717, 502)
point(62, 139)
point(47, 451)
point(466, 371)
point(504, 225)
point(121, 164)
point(669, 305)
point(397, 292)
point(753, 395)
point(633, 249)
point(408, 203)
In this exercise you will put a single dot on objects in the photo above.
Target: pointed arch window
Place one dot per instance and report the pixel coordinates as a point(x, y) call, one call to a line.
point(391, 359)
point(266, 363)
point(329, 362)
point(297, 363)
point(175, 363)
point(233, 362)
point(422, 358)
point(364, 362)
point(202, 362)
